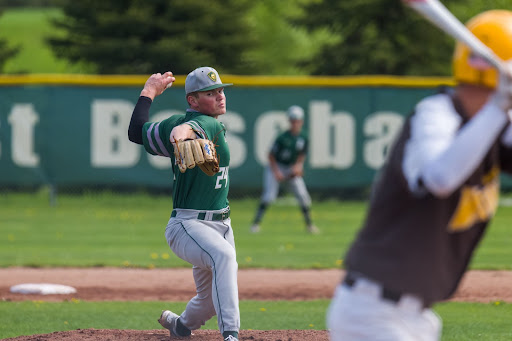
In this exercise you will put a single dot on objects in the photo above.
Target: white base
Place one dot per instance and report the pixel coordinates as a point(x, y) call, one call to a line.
point(42, 289)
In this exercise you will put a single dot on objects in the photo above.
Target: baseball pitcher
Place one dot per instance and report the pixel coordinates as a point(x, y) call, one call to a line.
point(199, 229)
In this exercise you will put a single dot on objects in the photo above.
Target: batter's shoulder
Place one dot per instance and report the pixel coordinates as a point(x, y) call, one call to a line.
point(435, 103)
point(435, 116)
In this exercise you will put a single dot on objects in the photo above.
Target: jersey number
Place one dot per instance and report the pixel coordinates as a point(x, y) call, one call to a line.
point(223, 176)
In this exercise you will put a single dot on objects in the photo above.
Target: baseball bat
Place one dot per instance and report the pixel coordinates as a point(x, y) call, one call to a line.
point(440, 16)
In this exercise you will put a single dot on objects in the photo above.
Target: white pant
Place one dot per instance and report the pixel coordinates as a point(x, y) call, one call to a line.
point(297, 184)
point(210, 247)
point(359, 313)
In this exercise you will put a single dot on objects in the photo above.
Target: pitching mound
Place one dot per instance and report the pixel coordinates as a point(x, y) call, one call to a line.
point(163, 335)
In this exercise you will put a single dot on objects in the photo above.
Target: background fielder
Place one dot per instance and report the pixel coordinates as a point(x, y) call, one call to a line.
point(286, 165)
point(199, 230)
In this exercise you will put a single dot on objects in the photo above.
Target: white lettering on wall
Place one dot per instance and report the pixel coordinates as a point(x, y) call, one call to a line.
point(332, 137)
point(23, 119)
point(268, 125)
point(382, 128)
point(235, 124)
point(110, 146)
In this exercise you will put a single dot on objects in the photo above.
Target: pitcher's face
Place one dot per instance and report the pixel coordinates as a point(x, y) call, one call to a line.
point(212, 102)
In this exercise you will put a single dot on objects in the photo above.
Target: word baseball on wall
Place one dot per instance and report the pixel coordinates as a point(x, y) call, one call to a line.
point(77, 135)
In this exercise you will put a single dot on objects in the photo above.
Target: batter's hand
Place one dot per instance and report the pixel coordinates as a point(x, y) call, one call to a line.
point(503, 95)
point(156, 84)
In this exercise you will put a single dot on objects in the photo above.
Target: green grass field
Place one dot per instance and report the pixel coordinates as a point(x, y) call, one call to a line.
point(28, 28)
point(127, 230)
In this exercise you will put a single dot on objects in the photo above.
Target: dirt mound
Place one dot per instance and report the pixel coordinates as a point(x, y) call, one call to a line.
point(163, 335)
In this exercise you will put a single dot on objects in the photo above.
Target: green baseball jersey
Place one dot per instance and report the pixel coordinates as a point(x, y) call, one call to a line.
point(287, 147)
point(193, 189)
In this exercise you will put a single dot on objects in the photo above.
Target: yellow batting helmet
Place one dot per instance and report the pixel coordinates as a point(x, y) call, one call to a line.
point(494, 29)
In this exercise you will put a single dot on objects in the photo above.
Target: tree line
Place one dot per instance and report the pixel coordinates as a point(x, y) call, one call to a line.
point(266, 37)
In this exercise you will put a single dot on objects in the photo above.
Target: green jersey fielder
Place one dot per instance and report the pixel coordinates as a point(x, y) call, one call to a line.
point(288, 147)
point(199, 229)
point(286, 164)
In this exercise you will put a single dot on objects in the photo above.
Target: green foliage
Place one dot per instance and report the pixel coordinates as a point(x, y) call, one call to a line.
point(268, 37)
point(282, 47)
point(6, 52)
point(377, 37)
point(28, 3)
point(26, 28)
point(465, 11)
point(384, 37)
point(138, 37)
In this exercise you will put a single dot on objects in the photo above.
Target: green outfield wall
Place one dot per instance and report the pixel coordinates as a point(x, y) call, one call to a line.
point(72, 130)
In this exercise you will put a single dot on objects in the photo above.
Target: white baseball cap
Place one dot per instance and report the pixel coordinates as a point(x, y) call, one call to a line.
point(203, 79)
point(295, 113)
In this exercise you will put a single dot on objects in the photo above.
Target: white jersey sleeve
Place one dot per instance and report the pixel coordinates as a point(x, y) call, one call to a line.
point(442, 154)
point(506, 138)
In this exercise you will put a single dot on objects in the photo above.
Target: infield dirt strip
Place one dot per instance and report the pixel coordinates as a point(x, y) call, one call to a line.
point(116, 284)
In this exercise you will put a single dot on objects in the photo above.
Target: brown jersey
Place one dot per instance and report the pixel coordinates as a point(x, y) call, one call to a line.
point(423, 244)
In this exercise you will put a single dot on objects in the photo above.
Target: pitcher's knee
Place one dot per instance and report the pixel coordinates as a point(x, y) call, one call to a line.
point(209, 310)
point(227, 256)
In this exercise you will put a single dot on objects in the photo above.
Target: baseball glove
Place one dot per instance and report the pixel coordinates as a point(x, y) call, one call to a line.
point(200, 152)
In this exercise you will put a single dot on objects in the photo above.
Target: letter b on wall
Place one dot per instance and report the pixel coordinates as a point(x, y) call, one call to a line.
point(110, 146)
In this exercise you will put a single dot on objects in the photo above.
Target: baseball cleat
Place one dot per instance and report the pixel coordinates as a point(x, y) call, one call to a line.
point(231, 338)
point(169, 320)
point(255, 228)
point(313, 229)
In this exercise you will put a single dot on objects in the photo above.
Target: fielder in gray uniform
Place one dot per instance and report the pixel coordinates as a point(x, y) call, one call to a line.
point(199, 229)
point(432, 201)
point(286, 164)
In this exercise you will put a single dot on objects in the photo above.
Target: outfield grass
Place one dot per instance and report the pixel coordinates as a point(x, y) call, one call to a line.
point(128, 230)
point(28, 28)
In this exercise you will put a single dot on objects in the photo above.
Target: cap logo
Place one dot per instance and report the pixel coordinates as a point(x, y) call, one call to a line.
point(212, 76)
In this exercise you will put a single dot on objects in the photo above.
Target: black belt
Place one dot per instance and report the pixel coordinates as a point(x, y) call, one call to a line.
point(215, 216)
point(387, 294)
